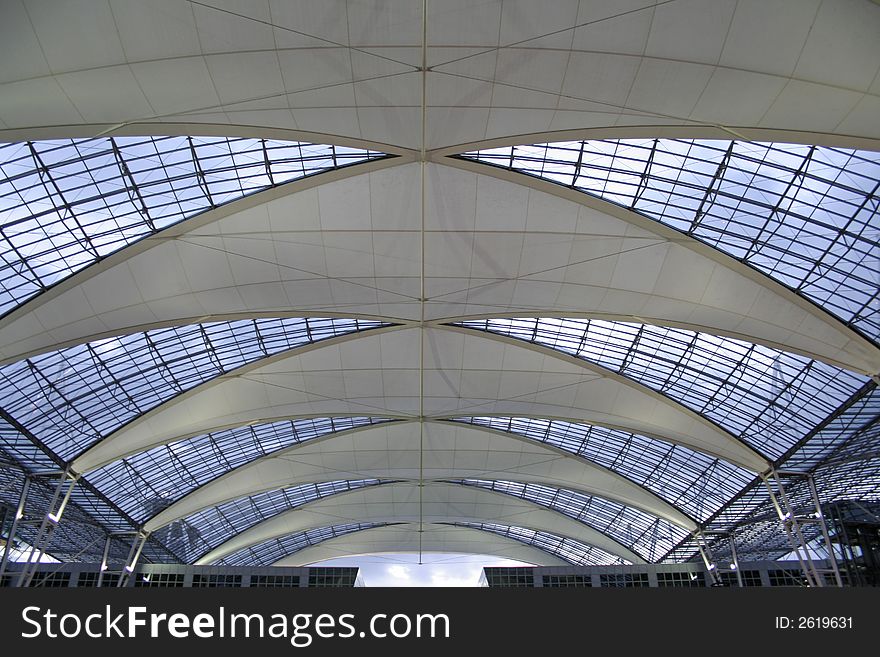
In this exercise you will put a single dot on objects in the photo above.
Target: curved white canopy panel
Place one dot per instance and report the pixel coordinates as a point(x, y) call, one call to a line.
point(494, 69)
point(465, 372)
point(353, 247)
point(406, 538)
point(435, 502)
point(399, 451)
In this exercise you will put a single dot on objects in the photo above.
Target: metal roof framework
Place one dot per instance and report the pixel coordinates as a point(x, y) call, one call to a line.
point(554, 224)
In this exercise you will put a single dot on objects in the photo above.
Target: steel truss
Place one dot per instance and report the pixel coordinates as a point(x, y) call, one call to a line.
point(65, 204)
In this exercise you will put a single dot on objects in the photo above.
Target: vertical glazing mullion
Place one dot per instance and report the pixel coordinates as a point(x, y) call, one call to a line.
point(45, 174)
point(267, 163)
point(133, 189)
point(709, 194)
point(200, 175)
point(777, 208)
point(866, 199)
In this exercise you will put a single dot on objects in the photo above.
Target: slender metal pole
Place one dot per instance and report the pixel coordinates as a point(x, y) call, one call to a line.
point(134, 555)
point(824, 527)
point(817, 577)
point(711, 566)
point(784, 519)
point(735, 557)
point(47, 528)
point(104, 557)
point(19, 514)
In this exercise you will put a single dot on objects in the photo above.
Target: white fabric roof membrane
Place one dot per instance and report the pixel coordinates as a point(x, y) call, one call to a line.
point(480, 242)
point(517, 247)
point(381, 372)
point(398, 451)
point(495, 68)
point(435, 502)
point(405, 537)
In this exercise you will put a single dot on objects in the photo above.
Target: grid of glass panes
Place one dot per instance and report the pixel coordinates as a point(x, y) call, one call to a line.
point(159, 580)
point(18, 447)
point(749, 578)
point(680, 579)
point(67, 203)
point(50, 579)
point(806, 216)
point(768, 398)
point(275, 581)
point(509, 577)
point(851, 434)
point(624, 580)
point(201, 532)
point(139, 483)
point(88, 579)
point(87, 518)
point(73, 397)
point(568, 581)
point(696, 483)
point(215, 581)
point(786, 577)
point(271, 551)
point(643, 533)
point(574, 552)
point(332, 577)
point(855, 423)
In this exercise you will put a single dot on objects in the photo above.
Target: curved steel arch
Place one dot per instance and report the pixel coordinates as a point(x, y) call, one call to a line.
point(690, 131)
point(768, 398)
point(773, 316)
point(87, 461)
point(747, 454)
point(695, 482)
point(518, 544)
point(253, 394)
point(139, 212)
point(75, 397)
point(839, 344)
point(436, 502)
point(27, 330)
point(405, 538)
point(386, 451)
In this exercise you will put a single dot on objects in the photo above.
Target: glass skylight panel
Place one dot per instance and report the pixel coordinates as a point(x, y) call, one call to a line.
point(805, 215)
point(646, 535)
point(768, 398)
point(201, 532)
point(566, 549)
point(65, 204)
point(144, 483)
point(267, 553)
point(848, 443)
point(696, 483)
point(73, 397)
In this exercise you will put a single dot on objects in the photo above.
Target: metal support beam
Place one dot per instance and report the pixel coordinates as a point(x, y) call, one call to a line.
point(735, 560)
point(104, 558)
point(134, 555)
point(708, 559)
point(820, 517)
point(19, 514)
point(60, 498)
point(793, 525)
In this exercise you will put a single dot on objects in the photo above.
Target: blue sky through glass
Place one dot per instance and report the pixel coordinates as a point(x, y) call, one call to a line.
point(436, 570)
